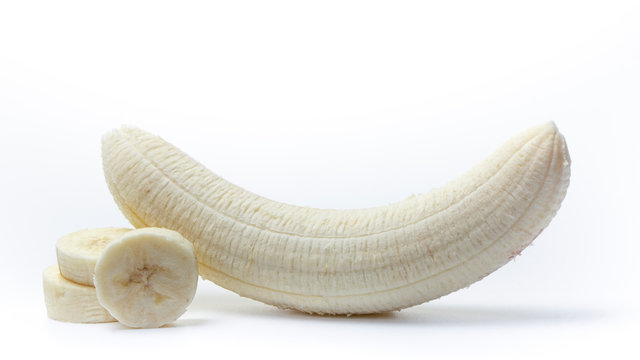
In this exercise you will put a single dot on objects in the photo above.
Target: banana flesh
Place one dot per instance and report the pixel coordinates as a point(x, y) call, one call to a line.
point(147, 278)
point(78, 252)
point(71, 302)
point(344, 261)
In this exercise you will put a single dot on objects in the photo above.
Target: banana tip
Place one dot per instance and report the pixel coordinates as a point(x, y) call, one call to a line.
point(118, 132)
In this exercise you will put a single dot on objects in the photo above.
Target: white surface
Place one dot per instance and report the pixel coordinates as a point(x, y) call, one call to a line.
point(332, 104)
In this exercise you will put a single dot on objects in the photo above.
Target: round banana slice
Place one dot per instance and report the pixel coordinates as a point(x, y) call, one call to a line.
point(78, 252)
point(71, 302)
point(147, 278)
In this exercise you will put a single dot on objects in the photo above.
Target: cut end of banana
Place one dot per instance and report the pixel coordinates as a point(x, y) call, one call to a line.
point(71, 302)
point(78, 252)
point(147, 278)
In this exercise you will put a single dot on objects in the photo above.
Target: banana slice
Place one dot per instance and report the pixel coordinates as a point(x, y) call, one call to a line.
point(71, 302)
point(78, 252)
point(147, 278)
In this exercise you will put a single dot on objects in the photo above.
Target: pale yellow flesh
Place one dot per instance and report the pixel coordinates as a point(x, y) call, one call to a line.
point(71, 302)
point(78, 252)
point(344, 261)
point(147, 278)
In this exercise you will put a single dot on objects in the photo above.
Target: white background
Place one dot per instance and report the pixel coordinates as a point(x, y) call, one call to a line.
point(339, 104)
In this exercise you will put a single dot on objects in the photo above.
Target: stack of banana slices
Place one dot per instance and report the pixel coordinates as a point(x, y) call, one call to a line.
point(143, 278)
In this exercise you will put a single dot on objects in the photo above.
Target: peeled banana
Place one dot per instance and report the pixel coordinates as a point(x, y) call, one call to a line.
point(71, 302)
point(78, 252)
point(147, 278)
point(344, 261)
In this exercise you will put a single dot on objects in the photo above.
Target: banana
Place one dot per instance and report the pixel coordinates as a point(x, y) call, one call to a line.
point(357, 261)
point(78, 252)
point(71, 302)
point(147, 278)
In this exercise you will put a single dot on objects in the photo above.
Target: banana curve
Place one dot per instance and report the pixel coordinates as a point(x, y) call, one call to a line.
point(229, 239)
